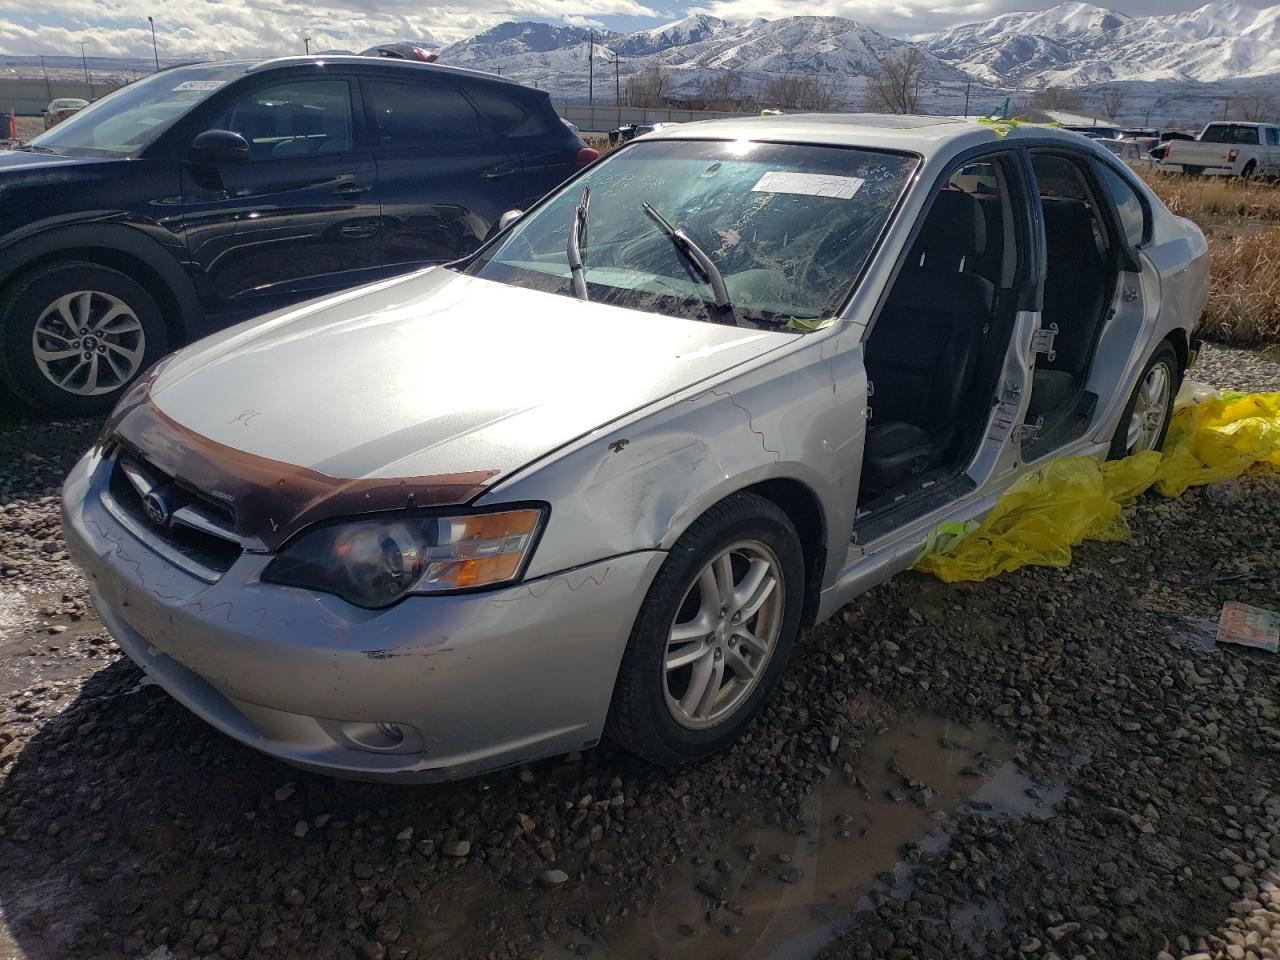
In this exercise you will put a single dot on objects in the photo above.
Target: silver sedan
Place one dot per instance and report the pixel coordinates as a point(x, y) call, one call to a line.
point(595, 478)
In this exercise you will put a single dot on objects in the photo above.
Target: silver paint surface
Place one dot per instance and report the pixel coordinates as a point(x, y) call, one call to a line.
point(628, 425)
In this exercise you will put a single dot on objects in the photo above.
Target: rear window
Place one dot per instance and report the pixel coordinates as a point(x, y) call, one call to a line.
point(507, 116)
point(1229, 133)
point(420, 114)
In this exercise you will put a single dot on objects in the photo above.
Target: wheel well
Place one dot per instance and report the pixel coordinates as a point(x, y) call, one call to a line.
point(801, 506)
point(1178, 340)
point(132, 267)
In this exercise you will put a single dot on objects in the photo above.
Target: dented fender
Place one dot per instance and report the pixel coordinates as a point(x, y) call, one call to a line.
point(639, 484)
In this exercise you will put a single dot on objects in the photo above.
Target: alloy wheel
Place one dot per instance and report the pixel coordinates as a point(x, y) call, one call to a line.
point(88, 343)
point(725, 632)
point(1149, 410)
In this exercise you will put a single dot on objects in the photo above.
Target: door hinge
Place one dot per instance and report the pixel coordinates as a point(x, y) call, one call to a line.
point(1042, 341)
point(871, 389)
point(1027, 432)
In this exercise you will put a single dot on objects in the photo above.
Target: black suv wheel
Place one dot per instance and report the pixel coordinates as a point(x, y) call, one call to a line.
point(74, 334)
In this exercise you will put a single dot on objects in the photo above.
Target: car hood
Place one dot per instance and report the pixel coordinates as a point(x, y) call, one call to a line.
point(435, 376)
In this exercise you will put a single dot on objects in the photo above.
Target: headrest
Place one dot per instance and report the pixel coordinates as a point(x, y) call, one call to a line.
point(955, 225)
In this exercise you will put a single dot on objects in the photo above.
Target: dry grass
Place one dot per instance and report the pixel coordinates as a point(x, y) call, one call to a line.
point(1244, 289)
point(1210, 200)
point(1242, 223)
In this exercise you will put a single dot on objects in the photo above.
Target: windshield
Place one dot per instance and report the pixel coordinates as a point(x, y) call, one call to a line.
point(122, 123)
point(788, 227)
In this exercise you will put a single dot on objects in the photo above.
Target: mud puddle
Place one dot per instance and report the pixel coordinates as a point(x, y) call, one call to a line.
point(40, 634)
point(778, 895)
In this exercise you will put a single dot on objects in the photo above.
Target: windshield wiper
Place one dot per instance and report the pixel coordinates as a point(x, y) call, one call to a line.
point(35, 148)
point(577, 231)
point(697, 258)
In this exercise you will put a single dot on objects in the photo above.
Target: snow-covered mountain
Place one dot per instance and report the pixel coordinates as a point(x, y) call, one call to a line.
point(1076, 44)
point(678, 33)
point(515, 39)
point(690, 51)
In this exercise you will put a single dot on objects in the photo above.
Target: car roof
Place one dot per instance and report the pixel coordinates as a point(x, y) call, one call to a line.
point(389, 65)
point(890, 131)
point(379, 63)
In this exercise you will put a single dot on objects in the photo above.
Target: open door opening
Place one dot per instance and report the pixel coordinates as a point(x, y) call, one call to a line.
point(1081, 273)
point(937, 347)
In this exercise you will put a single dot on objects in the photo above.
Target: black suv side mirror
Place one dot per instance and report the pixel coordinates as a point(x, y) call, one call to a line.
point(221, 145)
point(508, 218)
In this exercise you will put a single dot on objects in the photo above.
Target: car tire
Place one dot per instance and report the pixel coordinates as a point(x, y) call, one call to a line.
point(40, 345)
point(1146, 416)
point(1249, 170)
point(648, 715)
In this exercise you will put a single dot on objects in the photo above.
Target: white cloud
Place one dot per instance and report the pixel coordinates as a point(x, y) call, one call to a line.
point(188, 28)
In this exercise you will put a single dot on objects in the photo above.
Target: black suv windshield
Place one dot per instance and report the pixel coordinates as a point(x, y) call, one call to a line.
point(788, 227)
point(124, 122)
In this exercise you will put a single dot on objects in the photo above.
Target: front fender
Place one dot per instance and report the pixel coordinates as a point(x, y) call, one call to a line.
point(640, 483)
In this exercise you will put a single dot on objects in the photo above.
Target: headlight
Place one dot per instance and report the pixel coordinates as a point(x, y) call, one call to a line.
point(375, 562)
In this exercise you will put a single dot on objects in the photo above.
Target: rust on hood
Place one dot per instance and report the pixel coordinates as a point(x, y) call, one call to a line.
point(270, 500)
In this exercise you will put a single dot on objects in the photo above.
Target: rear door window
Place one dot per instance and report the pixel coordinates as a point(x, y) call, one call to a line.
point(419, 115)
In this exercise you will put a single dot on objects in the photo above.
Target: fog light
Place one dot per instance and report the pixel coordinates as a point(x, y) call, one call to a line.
point(378, 736)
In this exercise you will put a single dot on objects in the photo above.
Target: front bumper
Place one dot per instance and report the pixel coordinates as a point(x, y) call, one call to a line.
point(474, 682)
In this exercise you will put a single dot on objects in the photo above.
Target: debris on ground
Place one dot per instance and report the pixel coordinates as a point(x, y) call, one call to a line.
point(1249, 626)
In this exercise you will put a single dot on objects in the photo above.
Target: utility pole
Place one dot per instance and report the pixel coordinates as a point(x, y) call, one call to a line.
point(967, 84)
point(84, 60)
point(45, 70)
point(591, 60)
point(306, 45)
point(154, 49)
point(617, 86)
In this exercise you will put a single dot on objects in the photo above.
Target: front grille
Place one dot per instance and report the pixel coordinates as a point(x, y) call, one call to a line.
point(191, 530)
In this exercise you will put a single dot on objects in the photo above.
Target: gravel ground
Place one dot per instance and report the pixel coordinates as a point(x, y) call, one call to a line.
point(1054, 763)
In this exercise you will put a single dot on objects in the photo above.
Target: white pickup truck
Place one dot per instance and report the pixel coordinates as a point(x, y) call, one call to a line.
point(1228, 149)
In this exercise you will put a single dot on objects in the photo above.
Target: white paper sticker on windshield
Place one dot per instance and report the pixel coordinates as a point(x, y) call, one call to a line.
point(809, 184)
point(199, 85)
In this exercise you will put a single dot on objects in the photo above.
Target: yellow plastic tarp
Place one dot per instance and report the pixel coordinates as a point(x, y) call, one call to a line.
point(1213, 436)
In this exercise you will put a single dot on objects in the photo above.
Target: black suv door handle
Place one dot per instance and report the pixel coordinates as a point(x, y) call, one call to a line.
point(498, 173)
point(350, 190)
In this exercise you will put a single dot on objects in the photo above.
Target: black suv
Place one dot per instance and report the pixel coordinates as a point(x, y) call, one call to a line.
point(210, 193)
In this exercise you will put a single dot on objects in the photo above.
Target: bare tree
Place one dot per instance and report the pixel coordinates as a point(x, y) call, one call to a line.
point(721, 91)
point(1112, 100)
point(787, 92)
point(896, 87)
point(1254, 108)
point(648, 88)
point(1057, 98)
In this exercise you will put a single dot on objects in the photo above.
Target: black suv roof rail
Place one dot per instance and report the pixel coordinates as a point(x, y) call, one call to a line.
point(388, 62)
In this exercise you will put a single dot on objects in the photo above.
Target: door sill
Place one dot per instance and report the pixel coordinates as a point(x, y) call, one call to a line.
point(892, 512)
